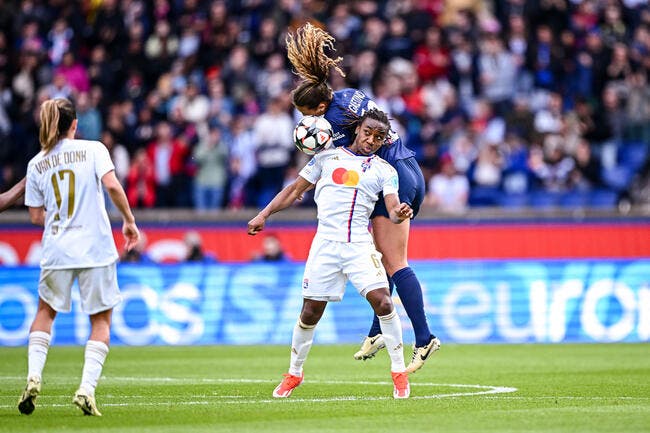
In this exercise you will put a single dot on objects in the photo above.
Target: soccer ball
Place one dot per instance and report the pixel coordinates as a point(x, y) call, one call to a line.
point(312, 134)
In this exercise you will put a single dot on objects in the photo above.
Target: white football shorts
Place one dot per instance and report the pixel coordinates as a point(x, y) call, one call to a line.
point(331, 264)
point(98, 288)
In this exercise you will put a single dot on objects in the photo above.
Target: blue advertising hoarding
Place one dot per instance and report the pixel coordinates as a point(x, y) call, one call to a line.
point(467, 301)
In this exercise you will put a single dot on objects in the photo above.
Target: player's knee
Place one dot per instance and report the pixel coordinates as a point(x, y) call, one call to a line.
point(393, 263)
point(383, 306)
point(309, 315)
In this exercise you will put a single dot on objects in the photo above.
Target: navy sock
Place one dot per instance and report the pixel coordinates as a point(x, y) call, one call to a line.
point(410, 292)
point(375, 328)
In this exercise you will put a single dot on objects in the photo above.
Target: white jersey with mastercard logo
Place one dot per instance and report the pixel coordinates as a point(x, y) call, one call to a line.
point(66, 181)
point(347, 188)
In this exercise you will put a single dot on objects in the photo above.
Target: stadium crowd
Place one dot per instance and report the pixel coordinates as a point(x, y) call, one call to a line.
point(505, 102)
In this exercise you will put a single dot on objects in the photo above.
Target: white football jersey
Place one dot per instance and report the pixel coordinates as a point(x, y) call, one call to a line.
point(347, 188)
point(67, 183)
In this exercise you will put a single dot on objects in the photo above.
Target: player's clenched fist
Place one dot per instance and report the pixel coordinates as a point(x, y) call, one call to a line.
point(256, 225)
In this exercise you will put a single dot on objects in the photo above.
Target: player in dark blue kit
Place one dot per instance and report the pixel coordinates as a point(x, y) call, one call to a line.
point(314, 96)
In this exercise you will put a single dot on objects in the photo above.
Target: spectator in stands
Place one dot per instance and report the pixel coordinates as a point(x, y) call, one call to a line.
point(541, 59)
point(242, 163)
point(119, 156)
point(637, 107)
point(432, 58)
point(60, 88)
point(396, 43)
point(272, 250)
point(639, 191)
point(486, 126)
point(239, 74)
point(88, 118)
point(74, 72)
point(586, 174)
point(273, 131)
point(266, 43)
point(194, 249)
point(194, 107)
point(619, 68)
point(592, 61)
point(448, 191)
point(59, 40)
point(515, 173)
point(486, 170)
point(222, 108)
point(613, 27)
point(137, 59)
point(274, 79)
point(498, 73)
point(160, 153)
point(550, 165)
point(464, 73)
point(211, 159)
point(550, 120)
point(161, 47)
point(521, 120)
point(141, 181)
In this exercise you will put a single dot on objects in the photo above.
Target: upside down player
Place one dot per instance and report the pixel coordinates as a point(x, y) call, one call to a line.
point(348, 182)
point(315, 97)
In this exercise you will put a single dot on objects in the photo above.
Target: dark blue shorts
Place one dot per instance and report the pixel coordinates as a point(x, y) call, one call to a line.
point(411, 187)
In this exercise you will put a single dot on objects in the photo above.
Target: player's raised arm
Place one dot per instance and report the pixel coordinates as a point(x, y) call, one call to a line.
point(398, 211)
point(282, 200)
point(9, 198)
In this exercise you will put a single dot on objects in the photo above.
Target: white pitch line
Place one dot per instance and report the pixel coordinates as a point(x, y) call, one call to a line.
point(110, 379)
point(483, 390)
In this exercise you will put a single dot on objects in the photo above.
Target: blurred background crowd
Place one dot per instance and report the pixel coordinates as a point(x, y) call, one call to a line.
point(506, 103)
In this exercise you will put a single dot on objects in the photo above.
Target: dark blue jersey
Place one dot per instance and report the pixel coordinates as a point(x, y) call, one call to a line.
point(348, 105)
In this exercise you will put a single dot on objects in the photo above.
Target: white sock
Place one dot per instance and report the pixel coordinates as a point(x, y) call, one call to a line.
point(94, 358)
point(39, 343)
point(303, 337)
point(391, 330)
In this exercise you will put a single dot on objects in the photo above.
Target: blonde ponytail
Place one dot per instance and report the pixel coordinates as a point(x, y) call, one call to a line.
point(306, 52)
point(56, 118)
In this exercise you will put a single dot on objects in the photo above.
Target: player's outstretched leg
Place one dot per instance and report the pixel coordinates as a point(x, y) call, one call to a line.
point(26, 404)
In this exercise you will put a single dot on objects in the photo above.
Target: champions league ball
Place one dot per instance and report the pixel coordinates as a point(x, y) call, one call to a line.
point(312, 134)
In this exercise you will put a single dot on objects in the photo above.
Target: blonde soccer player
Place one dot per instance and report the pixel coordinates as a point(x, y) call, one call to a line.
point(348, 182)
point(64, 195)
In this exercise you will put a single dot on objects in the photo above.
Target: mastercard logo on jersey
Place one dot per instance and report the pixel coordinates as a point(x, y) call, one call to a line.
point(341, 176)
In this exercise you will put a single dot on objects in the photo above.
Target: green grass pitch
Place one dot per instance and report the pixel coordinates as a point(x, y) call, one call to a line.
point(463, 388)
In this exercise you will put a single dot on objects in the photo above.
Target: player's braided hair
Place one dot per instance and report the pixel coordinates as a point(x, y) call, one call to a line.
point(376, 114)
point(373, 113)
point(56, 118)
point(306, 52)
